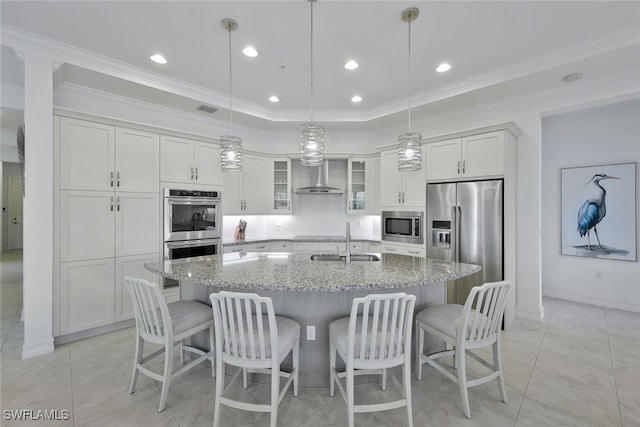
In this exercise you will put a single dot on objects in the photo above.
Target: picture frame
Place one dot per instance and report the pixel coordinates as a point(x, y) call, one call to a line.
point(598, 211)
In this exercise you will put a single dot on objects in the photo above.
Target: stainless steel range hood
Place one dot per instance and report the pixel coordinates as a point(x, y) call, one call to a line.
point(319, 182)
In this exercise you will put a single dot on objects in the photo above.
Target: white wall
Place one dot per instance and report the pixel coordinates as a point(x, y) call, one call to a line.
point(595, 136)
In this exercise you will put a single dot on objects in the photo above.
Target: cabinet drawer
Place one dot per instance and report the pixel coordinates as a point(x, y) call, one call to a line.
point(404, 250)
point(318, 247)
point(357, 246)
point(282, 246)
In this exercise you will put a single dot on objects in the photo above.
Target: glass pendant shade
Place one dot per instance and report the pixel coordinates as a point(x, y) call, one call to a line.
point(409, 152)
point(311, 144)
point(231, 146)
point(231, 153)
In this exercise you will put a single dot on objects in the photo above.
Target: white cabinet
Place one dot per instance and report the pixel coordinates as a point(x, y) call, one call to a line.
point(130, 266)
point(188, 161)
point(373, 247)
point(137, 223)
point(101, 224)
point(400, 189)
point(96, 156)
point(282, 246)
point(247, 192)
point(250, 247)
point(419, 252)
point(87, 225)
point(319, 247)
point(475, 156)
point(281, 186)
point(363, 183)
point(108, 217)
point(86, 295)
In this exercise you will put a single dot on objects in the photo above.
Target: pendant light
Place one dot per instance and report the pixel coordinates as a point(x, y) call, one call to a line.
point(410, 143)
point(231, 150)
point(311, 134)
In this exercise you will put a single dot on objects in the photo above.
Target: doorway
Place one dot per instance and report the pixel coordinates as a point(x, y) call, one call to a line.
point(15, 200)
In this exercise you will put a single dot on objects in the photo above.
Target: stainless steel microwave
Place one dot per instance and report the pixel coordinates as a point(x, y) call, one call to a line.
point(405, 227)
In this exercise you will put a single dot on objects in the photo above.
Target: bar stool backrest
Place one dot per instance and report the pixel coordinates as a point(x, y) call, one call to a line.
point(150, 310)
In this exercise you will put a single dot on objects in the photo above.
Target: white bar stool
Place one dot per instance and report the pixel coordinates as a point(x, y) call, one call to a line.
point(475, 325)
point(371, 342)
point(251, 337)
point(168, 324)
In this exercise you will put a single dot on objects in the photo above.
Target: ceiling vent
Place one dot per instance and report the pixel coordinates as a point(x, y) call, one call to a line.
point(207, 108)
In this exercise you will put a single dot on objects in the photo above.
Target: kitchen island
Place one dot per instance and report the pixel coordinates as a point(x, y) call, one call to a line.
point(313, 293)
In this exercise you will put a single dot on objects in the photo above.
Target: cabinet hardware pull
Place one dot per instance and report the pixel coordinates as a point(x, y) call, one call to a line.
point(196, 174)
point(192, 173)
point(463, 166)
point(111, 179)
point(111, 202)
point(118, 179)
point(458, 167)
point(118, 203)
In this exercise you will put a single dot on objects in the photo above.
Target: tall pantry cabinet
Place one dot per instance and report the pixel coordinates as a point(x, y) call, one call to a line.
point(107, 219)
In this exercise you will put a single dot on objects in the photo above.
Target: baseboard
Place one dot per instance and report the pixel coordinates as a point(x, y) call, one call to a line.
point(63, 339)
point(536, 316)
point(29, 351)
point(593, 301)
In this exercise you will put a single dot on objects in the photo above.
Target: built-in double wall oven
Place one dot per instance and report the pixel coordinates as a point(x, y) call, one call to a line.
point(192, 225)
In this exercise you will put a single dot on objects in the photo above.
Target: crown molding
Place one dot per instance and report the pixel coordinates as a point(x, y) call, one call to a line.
point(23, 41)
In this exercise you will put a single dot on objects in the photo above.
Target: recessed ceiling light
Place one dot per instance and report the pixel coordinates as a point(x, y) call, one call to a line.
point(443, 67)
point(274, 98)
point(351, 65)
point(250, 51)
point(158, 59)
point(356, 98)
point(572, 77)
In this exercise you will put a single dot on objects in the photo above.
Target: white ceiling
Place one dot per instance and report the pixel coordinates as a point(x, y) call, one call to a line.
point(497, 49)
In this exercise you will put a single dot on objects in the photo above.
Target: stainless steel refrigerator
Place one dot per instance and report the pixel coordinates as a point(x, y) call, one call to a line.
point(464, 224)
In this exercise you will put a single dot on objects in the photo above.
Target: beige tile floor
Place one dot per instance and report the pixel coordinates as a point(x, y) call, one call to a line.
point(581, 367)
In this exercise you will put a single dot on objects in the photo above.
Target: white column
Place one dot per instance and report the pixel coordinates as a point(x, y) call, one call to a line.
point(38, 204)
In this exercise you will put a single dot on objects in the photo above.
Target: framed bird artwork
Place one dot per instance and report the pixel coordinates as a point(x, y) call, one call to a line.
point(599, 215)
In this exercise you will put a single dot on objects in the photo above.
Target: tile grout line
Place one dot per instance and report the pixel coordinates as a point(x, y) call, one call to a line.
point(533, 369)
point(613, 371)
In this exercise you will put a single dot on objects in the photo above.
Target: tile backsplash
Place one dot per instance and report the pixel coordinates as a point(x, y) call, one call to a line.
point(313, 215)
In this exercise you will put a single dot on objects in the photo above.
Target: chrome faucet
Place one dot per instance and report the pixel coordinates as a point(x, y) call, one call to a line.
point(348, 257)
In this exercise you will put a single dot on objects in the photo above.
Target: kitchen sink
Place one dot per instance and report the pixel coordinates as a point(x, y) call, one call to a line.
point(336, 257)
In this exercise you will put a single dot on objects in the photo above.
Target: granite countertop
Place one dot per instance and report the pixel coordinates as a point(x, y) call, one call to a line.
point(296, 272)
point(297, 238)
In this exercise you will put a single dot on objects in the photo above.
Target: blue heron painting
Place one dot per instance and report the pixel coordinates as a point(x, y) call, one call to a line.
point(604, 206)
point(594, 209)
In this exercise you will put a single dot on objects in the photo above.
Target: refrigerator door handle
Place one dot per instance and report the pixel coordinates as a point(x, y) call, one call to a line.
point(458, 216)
point(454, 232)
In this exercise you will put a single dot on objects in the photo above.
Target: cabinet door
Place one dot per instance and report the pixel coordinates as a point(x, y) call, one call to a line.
point(137, 160)
point(414, 188)
point(130, 266)
point(86, 155)
point(281, 186)
point(232, 197)
point(137, 223)
point(389, 179)
point(357, 191)
point(483, 155)
point(373, 193)
point(207, 163)
point(176, 159)
point(86, 295)
point(255, 185)
point(86, 225)
point(443, 159)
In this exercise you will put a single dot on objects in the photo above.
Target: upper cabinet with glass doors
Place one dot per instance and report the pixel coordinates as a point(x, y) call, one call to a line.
point(363, 182)
point(281, 186)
